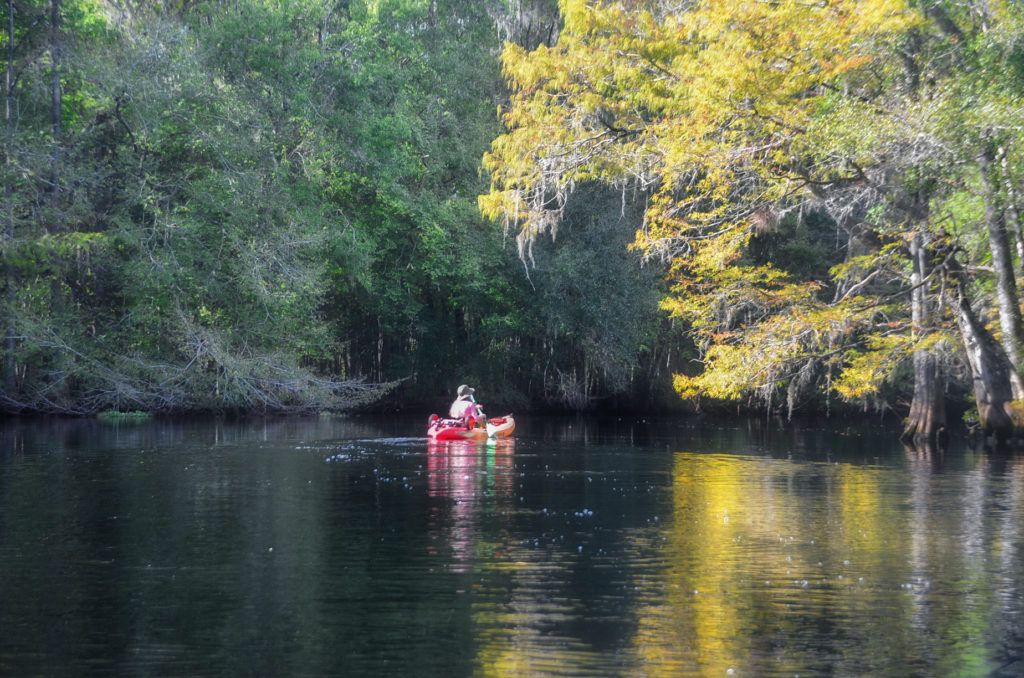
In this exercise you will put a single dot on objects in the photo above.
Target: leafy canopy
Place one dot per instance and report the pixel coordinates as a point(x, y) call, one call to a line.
point(731, 116)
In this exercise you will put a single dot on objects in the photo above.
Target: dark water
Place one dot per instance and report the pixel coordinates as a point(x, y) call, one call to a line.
point(352, 548)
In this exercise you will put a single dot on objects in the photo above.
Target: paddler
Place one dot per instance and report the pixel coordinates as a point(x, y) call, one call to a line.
point(466, 407)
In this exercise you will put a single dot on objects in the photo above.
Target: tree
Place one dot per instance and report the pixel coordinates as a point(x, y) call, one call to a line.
point(187, 269)
point(9, 375)
point(261, 205)
point(742, 118)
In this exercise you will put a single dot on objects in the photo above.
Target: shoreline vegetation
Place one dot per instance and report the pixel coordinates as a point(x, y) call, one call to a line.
point(794, 209)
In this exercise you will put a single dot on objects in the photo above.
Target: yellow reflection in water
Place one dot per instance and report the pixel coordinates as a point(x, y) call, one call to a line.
point(776, 568)
point(755, 546)
point(770, 567)
point(690, 627)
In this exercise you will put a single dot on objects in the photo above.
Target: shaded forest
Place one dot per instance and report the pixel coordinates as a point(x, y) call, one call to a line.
point(271, 206)
point(267, 206)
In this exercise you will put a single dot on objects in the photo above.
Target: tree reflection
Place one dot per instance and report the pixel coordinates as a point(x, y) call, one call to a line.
point(772, 565)
point(581, 559)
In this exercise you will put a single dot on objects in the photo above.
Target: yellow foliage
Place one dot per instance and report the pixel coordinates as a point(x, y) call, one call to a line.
point(866, 370)
point(700, 101)
point(706, 104)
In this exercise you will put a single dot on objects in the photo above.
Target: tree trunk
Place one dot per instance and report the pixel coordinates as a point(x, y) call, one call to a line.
point(926, 421)
point(53, 223)
point(927, 418)
point(1012, 209)
point(9, 366)
point(1002, 262)
point(55, 97)
point(996, 383)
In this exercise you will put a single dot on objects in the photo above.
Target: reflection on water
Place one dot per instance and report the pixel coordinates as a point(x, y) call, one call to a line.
point(471, 481)
point(579, 548)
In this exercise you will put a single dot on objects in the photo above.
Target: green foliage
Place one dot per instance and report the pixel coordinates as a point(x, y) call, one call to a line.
point(598, 304)
point(262, 205)
point(120, 417)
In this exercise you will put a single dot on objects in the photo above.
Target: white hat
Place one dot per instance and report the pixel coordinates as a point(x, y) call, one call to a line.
point(465, 392)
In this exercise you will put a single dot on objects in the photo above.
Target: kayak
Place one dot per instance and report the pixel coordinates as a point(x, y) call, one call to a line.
point(439, 428)
point(501, 427)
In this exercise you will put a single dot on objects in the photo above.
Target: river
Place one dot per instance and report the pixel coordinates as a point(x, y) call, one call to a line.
point(351, 547)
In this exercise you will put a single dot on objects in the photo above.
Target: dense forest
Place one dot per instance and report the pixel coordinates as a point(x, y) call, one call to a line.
point(272, 205)
point(834, 186)
point(262, 206)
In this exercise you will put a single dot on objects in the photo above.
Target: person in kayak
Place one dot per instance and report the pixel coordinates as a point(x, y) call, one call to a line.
point(466, 407)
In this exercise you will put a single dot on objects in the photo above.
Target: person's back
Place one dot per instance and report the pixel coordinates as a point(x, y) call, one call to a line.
point(461, 409)
point(465, 406)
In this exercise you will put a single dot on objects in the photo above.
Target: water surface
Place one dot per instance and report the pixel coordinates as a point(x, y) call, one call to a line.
point(580, 548)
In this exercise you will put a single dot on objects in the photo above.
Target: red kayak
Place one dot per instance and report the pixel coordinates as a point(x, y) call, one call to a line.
point(439, 428)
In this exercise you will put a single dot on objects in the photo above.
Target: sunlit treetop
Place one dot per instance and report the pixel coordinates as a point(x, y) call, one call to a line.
point(726, 115)
point(698, 102)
